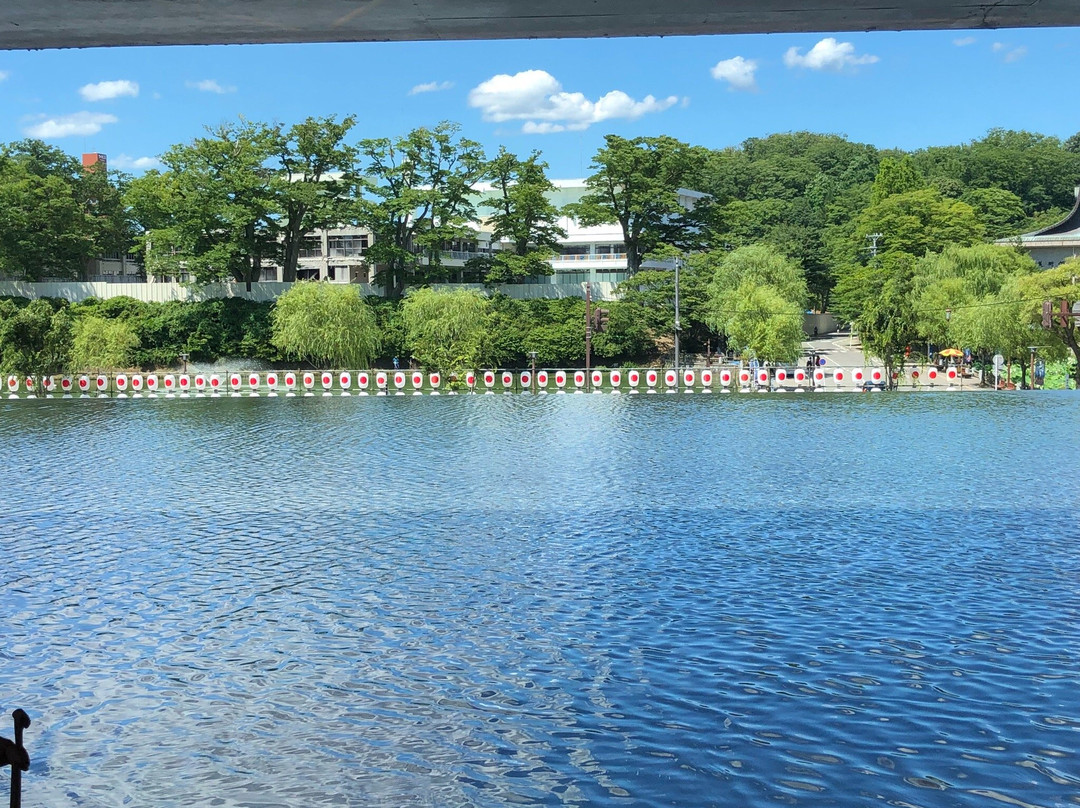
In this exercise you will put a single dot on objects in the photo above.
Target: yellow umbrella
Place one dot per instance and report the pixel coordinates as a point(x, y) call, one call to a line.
point(951, 352)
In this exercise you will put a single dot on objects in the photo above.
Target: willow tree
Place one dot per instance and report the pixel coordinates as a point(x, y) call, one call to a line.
point(446, 330)
point(326, 324)
point(756, 300)
point(100, 344)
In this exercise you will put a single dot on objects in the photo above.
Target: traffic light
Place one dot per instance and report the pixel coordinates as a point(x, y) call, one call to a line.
point(599, 320)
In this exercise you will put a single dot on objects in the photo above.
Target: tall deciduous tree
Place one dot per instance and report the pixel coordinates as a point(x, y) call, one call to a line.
point(420, 200)
point(314, 183)
point(213, 212)
point(635, 184)
point(522, 215)
point(1062, 283)
point(56, 215)
point(326, 324)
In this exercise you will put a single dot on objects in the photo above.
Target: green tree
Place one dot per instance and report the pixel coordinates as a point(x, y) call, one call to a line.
point(326, 324)
point(916, 222)
point(35, 340)
point(1054, 285)
point(446, 330)
point(101, 344)
point(420, 200)
point(315, 181)
point(895, 176)
point(635, 185)
point(878, 300)
point(1000, 211)
point(56, 215)
point(756, 301)
point(213, 213)
point(522, 215)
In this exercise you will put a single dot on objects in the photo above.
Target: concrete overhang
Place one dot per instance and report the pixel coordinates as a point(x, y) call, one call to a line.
point(92, 23)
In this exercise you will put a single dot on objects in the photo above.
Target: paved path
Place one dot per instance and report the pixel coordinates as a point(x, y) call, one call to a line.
point(840, 349)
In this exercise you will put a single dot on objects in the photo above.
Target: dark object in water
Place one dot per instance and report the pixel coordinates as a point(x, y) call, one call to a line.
point(14, 754)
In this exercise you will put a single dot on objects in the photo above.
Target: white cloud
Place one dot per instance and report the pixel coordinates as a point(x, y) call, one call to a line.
point(431, 87)
point(537, 98)
point(77, 123)
point(1013, 55)
point(4, 75)
point(964, 41)
point(828, 54)
point(210, 86)
point(104, 90)
point(125, 162)
point(737, 72)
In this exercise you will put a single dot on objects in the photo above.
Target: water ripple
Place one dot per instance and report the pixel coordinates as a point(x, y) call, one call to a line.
point(562, 600)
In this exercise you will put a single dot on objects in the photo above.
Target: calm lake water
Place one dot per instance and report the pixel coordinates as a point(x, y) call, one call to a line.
point(559, 600)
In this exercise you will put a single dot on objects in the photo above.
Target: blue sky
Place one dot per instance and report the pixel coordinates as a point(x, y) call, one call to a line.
point(905, 90)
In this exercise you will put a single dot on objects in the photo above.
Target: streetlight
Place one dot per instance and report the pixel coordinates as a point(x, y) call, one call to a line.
point(183, 358)
point(678, 325)
point(532, 378)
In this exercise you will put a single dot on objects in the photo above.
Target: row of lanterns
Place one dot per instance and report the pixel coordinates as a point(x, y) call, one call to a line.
point(253, 384)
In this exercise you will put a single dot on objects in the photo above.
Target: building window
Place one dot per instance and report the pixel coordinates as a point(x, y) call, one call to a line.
point(307, 273)
point(575, 252)
point(345, 246)
point(334, 273)
point(311, 247)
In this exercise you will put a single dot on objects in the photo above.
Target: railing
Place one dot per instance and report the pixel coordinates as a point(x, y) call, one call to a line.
point(575, 257)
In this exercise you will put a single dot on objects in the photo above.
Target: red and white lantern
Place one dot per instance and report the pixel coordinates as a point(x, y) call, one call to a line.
point(800, 376)
point(507, 379)
point(290, 380)
point(615, 378)
point(170, 384)
point(725, 377)
point(234, 381)
point(541, 379)
point(763, 377)
point(272, 381)
point(102, 383)
point(838, 376)
point(781, 375)
point(345, 380)
point(634, 378)
point(200, 382)
point(526, 379)
point(560, 378)
point(434, 379)
point(875, 376)
point(819, 376)
point(858, 376)
point(326, 379)
point(932, 374)
point(399, 379)
point(670, 378)
point(381, 380)
point(13, 384)
point(65, 384)
point(363, 379)
point(706, 378)
point(597, 378)
point(309, 380)
point(152, 383)
point(489, 378)
point(122, 383)
point(952, 374)
point(215, 382)
point(579, 378)
point(688, 378)
point(651, 377)
point(470, 380)
point(417, 380)
point(253, 383)
point(744, 378)
point(136, 384)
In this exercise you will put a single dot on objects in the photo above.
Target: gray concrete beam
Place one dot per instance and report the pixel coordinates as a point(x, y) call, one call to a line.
point(28, 24)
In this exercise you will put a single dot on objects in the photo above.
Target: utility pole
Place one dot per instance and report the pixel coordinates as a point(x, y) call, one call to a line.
point(588, 335)
point(873, 243)
point(678, 325)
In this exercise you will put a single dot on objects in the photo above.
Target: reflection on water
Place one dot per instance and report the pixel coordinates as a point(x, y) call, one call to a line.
point(580, 600)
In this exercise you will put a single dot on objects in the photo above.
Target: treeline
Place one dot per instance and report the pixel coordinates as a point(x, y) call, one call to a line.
point(875, 235)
